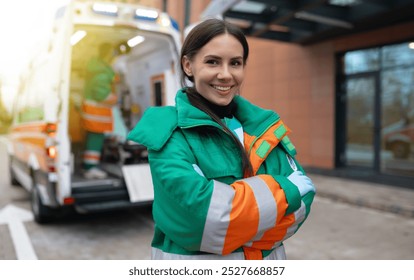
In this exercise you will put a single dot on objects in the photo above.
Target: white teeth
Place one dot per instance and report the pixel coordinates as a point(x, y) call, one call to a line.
point(221, 88)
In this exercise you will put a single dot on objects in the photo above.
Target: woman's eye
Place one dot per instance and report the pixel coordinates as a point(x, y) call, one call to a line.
point(212, 61)
point(236, 63)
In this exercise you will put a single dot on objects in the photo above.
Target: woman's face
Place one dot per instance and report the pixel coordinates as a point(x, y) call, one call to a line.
point(217, 69)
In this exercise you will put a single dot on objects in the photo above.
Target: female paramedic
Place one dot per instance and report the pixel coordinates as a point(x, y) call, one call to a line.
point(226, 181)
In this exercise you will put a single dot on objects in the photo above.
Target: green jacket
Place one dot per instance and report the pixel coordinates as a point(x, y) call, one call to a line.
point(202, 202)
point(99, 78)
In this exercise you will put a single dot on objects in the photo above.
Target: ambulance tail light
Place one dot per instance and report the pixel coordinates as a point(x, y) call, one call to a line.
point(51, 152)
point(68, 201)
point(50, 147)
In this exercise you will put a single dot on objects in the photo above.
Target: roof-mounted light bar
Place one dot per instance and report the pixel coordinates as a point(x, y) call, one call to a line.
point(146, 14)
point(105, 9)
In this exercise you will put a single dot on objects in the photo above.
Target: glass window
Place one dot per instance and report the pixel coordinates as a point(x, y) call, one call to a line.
point(397, 154)
point(380, 134)
point(396, 55)
point(360, 121)
point(362, 61)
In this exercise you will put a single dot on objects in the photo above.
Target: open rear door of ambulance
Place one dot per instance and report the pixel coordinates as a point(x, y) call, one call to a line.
point(60, 50)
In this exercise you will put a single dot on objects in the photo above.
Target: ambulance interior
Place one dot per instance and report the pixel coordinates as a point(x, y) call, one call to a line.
point(144, 62)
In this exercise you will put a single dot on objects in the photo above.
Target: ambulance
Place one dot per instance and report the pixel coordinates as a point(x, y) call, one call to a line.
point(47, 139)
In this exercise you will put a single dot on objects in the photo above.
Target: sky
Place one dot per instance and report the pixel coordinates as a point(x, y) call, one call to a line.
point(25, 26)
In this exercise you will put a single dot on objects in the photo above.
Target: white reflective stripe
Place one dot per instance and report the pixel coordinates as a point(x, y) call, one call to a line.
point(300, 215)
point(91, 157)
point(277, 244)
point(92, 153)
point(97, 104)
point(91, 161)
point(157, 254)
point(218, 218)
point(97, 118)
point(266, 205)
point(277, 254)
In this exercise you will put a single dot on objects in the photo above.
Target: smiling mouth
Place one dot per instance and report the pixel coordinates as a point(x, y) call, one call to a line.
point(221, 88)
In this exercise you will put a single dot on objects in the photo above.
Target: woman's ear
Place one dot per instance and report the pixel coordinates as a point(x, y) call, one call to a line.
point(187, 66)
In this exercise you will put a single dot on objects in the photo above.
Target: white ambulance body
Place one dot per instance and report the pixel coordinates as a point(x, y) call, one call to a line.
point(47, 139)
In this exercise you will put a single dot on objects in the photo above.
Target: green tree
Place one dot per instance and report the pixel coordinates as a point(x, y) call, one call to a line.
point(5, 116)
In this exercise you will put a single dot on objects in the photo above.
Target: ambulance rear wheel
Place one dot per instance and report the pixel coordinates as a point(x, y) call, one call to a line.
point(42, 213)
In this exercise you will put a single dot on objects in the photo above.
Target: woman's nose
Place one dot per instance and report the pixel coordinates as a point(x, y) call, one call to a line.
point(224, 73)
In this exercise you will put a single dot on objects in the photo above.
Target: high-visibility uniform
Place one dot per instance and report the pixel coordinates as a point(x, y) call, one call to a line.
point(204, 207)
point(97, 108)
point(97, 116)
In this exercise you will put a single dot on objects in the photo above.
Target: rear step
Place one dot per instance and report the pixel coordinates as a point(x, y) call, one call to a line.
point(99, 194)
point(108, 206)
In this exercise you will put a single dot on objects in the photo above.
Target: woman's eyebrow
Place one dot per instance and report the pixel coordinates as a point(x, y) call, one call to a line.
point(219, 57)
point(212, 56)
point(237, 57)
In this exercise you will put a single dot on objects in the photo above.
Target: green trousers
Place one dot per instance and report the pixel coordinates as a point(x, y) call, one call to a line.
point(93, 149)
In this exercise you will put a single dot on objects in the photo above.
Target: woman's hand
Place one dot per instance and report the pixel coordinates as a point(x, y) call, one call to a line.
point(303, 182)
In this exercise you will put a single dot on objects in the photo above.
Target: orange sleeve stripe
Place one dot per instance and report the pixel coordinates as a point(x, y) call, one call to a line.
point(269, 139)
point(95, 110)
point(252, 253)
point(275, 234)
point(244, 209)
point(97, 127)
point(92, 157)
point(248, 140)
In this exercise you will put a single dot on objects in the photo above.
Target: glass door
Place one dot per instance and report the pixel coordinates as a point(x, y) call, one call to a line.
point(360, 120)
point(375, 109)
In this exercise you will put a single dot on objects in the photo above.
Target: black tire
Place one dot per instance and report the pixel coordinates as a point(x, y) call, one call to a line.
point(42, 213)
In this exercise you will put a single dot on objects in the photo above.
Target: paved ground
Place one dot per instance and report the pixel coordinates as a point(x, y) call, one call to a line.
point(371, 195)
point(354, 220)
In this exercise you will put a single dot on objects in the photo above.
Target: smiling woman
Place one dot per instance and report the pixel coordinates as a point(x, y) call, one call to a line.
point(226, 181)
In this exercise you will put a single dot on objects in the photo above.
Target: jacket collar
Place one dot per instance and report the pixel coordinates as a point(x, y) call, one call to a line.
point(255, 120)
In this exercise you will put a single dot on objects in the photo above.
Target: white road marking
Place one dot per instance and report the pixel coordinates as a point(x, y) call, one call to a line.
point(14, 217)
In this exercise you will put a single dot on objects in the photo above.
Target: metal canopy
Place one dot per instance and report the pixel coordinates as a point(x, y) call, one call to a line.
point(310, 21)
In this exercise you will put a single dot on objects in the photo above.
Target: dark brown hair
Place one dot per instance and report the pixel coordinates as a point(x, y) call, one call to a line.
point(198, 37)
